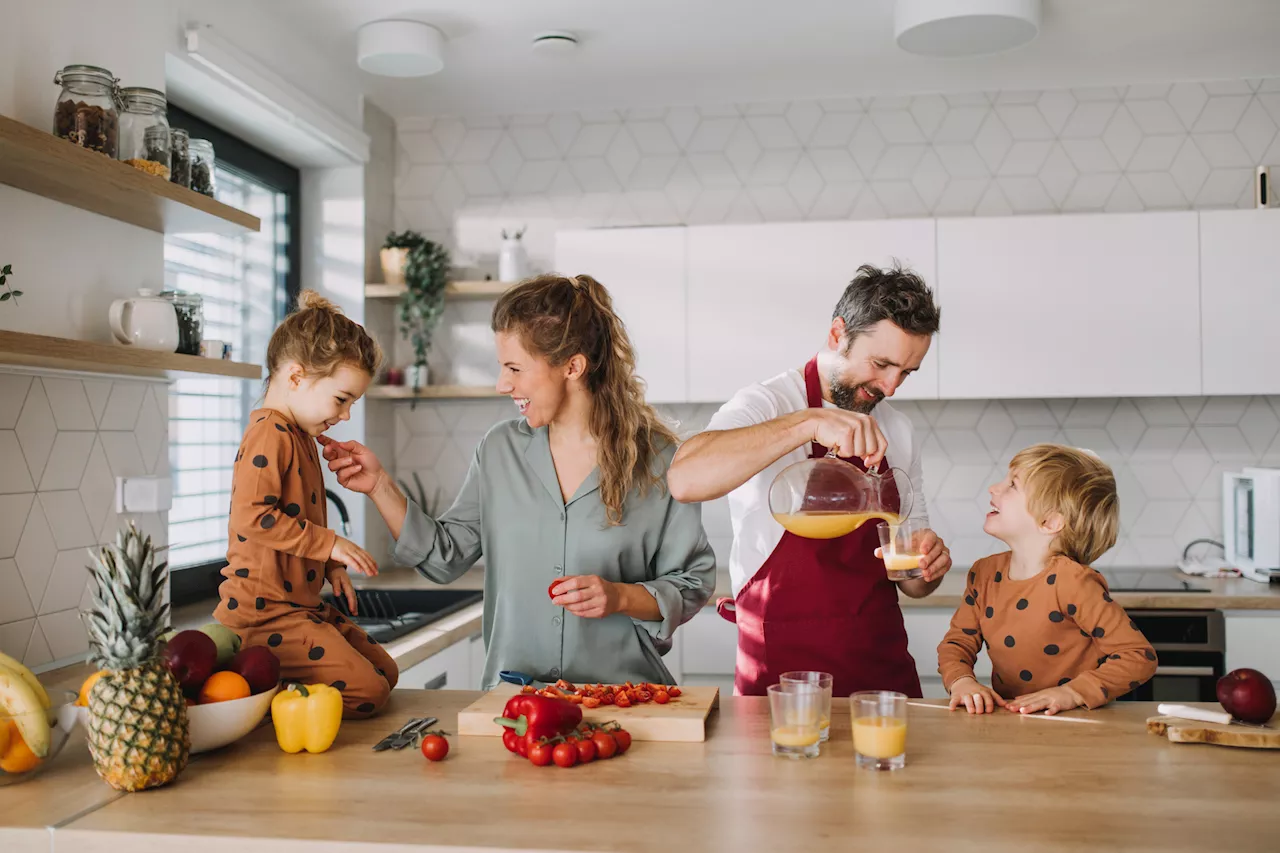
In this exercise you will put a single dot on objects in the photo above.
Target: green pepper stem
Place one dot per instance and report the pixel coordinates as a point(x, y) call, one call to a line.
point(301, 688)
point(520, 725)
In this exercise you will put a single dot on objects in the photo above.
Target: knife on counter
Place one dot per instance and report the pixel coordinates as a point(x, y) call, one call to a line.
point(1205, 715)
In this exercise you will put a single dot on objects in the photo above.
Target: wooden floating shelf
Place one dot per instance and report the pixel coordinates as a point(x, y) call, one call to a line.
point(454, 290)
point(431, 392)
point(65, 354)
point(45, 165)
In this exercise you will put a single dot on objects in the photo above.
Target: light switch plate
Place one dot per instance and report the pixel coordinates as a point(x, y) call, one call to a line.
point(144, 494)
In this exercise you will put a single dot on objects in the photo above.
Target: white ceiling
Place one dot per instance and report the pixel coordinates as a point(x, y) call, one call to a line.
point(637, 53)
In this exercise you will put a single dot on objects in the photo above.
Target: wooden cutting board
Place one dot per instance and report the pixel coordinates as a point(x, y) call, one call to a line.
point(1179, 730)
point(683, 719)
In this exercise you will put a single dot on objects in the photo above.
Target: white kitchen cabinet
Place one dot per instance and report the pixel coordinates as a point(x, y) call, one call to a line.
point(1239, 300)
point(1070, 306)
point(475, 651)
point(708, 645)
point(644, 271)
point(447, 669)
point(1253, 641)
point(760, 297)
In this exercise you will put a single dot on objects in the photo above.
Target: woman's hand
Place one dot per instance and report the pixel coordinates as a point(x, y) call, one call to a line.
point(353, 556)
point(342, 587)
point(977, 698)
point(588, 596)
point(357, 467)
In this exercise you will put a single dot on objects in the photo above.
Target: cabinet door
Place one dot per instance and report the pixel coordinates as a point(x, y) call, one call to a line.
point(1253, 641)
point(761, 296)
point(447, 669)
point(643, 268)
point(1084, 305)
point(1239, 300)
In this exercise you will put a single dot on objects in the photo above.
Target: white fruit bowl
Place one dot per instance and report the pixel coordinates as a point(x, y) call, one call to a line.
point(217, 724)
point(62, 721)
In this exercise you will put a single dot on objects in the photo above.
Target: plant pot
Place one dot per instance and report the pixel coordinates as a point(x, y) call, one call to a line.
point(513, 262)
point(416, 376)
point(393, 261)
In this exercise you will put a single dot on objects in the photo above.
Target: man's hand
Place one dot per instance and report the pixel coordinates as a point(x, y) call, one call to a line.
point(977, 698)
point(589, 596)
point(1051, 700)
point(342, 587)
point(357, 467)
point(849, 434)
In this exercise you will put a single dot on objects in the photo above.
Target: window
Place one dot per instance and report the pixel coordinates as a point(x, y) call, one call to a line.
point(247, 282)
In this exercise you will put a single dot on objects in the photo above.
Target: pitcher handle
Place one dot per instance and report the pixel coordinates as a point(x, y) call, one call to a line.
point(115, 315)
point(911, 496)
point(727, 610)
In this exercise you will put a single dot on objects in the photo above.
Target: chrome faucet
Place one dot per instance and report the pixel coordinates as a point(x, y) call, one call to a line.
point(342, 511)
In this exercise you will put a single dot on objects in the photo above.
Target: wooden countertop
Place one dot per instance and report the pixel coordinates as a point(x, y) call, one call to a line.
point(992, 783)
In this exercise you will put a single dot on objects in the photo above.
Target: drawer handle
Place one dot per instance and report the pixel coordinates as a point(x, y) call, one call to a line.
point(437, 683)
point(1185, 670)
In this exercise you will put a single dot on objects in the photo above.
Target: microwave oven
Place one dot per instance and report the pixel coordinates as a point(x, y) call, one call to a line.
point(1251, 522)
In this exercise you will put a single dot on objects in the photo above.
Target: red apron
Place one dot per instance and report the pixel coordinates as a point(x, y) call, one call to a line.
point(824, 605)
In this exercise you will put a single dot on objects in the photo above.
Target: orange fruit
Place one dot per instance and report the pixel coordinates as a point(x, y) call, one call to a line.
point(17, 758)
point(4, 738)
point(223, 687)
point(83, 699)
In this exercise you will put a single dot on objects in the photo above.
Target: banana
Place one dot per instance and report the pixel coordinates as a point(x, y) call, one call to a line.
point(19, 699)
point(27, 676)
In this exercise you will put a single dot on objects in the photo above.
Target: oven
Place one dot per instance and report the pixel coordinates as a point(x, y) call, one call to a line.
point(1191, 648)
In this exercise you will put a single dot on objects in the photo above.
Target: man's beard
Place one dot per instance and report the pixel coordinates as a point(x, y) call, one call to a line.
point(846, 396)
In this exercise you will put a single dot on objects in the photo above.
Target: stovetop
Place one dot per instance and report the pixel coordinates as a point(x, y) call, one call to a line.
point(1130, 580)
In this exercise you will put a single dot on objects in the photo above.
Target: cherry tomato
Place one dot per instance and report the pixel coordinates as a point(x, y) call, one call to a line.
point(622, 700)
point(606, 746)
point(550, 590)
point(674, 692)
point(662, 697)
point(623, 737)
point(586, 751)
point(435, 748)
point(509, 739)
point(565, 755)
point(540, 754)
point(590, 702)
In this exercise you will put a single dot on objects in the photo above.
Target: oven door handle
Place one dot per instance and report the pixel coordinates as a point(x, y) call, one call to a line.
point(1185, 670)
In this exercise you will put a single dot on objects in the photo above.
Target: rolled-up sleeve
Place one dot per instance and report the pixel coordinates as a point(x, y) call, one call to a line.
point(682, 572)
point(444, 549)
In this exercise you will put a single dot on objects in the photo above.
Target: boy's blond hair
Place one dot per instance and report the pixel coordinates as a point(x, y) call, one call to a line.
point(1078, 486)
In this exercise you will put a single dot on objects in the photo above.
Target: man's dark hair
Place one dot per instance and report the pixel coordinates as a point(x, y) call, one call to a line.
point(895, 294)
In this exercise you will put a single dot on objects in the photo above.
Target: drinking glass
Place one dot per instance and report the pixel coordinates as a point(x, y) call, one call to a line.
point(795, 715)
point(879, 729)
point(822, 681)
point(900, 548)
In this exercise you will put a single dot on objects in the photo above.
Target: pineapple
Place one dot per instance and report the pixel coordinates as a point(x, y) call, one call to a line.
point(137, 715)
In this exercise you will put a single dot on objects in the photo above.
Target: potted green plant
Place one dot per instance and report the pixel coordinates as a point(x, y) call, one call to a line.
point(426, 275)
point(395, 254)
point(9, 292)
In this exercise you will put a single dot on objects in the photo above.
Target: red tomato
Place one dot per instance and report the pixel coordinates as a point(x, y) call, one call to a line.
point(435, 748)
point(606, 746)
point(550, 588)
point(662, 697)
point(623, 737)
point(540, 754)
point(509, 740)
point(622, 700)
point(586, 751)
point(674, 692)
point(565, 755)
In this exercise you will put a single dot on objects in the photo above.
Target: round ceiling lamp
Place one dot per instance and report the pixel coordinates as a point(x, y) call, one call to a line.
point(400, 48)
point(951, 28)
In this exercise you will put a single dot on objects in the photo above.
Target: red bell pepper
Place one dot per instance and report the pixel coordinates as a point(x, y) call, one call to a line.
point(535, 717)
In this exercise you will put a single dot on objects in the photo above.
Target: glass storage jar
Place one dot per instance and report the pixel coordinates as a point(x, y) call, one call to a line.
point(202, 179)
point(88, 108)
point(190, 310)
point(179, 157)
point(144, 131)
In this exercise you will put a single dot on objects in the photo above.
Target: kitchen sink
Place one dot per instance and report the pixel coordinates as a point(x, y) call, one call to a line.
point(386, 614)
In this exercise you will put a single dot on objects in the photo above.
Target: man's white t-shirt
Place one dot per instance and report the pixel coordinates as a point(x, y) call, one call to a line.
point(755, 532)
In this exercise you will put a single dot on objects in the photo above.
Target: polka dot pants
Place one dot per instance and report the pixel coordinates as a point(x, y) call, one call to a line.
point(322, 646)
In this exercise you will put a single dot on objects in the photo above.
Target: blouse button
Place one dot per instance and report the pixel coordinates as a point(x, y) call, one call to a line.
point(555, 621)
point(555, 672)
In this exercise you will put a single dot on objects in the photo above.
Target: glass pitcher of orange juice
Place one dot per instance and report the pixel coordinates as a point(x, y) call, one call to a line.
point(827, 497)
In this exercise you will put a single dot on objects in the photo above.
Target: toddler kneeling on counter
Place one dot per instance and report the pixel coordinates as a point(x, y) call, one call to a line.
point(1055, 637)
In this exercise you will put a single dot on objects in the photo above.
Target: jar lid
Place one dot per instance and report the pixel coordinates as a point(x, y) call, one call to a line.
point(178, 133)
point(202, 145)
point(141, 96)
point(90, 73)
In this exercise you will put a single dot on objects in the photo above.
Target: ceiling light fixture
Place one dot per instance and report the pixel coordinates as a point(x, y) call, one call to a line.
point(952, 28)
point(400, 48)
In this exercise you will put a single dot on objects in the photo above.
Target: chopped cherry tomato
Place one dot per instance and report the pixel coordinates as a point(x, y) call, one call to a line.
point(623, 737)
point(528, 688)
point(565, 754)
point(622, 701)
point(586, 750)
point(606, 746)
point(435, 747)
point(540, 753)
point(661, 697)
point(674, 692)
point(590, 702)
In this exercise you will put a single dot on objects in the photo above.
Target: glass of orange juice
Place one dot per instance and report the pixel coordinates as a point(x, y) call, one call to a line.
point(822, 681)
point(900, 548)
point(795, 719)
point(879, 729)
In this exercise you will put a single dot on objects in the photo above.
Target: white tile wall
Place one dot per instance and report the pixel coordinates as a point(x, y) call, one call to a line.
point(63, 440)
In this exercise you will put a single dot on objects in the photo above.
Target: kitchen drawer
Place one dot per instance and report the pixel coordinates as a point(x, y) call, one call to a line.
point(448, 669)
point(709, 644)
point(1253, 641)
point(926, 626)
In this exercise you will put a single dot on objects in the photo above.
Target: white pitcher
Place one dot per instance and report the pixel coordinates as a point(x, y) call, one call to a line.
point(145, 321)
point(513, 262)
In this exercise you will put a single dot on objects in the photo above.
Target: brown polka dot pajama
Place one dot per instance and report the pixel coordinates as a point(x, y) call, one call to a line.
point(277, 560)
point(1059, 627)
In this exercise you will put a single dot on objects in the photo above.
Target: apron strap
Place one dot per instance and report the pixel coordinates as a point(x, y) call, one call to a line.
point(813, 391)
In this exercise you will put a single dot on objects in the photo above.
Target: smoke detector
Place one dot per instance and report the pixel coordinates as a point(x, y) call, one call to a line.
point(556, 42)
point(952, 28)
point(400, 48)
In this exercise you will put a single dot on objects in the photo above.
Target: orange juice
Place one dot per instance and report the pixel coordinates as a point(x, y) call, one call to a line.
point(901, 562)
point(880, 737)
point(829, 525)
point(796, 736)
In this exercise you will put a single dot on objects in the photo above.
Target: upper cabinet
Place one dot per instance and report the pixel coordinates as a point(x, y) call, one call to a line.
point(760, 297)
point(1070, 306)
point(644, 271)
point(1239, 300)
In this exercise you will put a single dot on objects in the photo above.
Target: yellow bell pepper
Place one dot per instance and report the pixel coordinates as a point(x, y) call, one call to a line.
point(306, 717)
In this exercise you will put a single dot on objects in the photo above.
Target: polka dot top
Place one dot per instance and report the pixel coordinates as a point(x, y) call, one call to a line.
point(278, 541)
point(1058, 627)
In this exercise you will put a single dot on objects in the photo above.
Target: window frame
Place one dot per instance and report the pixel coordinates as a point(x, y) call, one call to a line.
point(193, 584)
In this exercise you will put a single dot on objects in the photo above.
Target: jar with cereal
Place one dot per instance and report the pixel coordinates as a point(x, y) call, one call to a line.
point(144, 131)
point(88, 108)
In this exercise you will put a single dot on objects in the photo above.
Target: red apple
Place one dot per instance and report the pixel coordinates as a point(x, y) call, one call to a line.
point(191, 656)
point(259, 666)
point(1247, 695)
